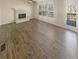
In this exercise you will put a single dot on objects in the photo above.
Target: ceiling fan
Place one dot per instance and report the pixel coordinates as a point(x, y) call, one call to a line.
point(31, 1)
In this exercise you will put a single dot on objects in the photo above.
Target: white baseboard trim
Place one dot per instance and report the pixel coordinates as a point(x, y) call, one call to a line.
point(59, 26)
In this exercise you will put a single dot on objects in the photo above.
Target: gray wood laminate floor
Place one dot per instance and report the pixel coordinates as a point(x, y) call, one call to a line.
point(37, 40)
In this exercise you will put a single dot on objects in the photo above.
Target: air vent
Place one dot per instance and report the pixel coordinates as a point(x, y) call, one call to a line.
point(2, 47)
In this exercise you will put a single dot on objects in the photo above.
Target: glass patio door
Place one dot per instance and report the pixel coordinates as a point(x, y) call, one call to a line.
point(71, 12)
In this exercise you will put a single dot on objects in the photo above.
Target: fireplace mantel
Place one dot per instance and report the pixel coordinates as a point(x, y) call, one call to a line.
point(20, 15)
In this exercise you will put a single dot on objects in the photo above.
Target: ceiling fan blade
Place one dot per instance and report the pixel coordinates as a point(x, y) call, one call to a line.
point(30, 1)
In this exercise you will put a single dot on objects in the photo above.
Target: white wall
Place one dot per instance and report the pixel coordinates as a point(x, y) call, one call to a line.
point(0, 16)
point(60, 14)
point(7, 12)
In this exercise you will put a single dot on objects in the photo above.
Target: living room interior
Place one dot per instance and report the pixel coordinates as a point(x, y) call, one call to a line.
point(38, 29)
